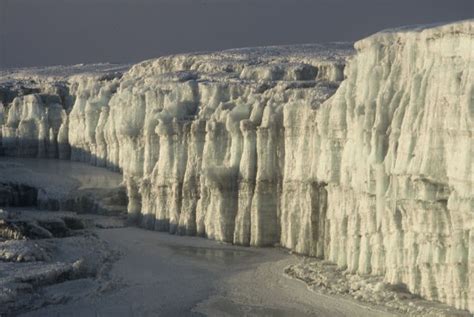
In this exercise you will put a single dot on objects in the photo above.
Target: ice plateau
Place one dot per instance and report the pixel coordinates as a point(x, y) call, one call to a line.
point(363, 158)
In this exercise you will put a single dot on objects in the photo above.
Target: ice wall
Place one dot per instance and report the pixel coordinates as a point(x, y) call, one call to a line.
point(248, 146)
point(398, 159)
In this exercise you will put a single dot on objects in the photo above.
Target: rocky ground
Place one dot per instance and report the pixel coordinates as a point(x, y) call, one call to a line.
point(325, 277)
point(49, 257)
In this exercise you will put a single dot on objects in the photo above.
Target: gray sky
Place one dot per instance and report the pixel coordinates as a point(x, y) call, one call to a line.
point(50, 32)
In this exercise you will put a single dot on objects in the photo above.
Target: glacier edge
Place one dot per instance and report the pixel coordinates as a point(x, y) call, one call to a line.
point(367, 164)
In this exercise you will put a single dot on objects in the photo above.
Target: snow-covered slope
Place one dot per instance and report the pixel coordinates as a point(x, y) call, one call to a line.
point(248, 146)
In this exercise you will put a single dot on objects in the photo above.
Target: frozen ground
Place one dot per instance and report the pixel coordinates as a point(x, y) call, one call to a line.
point(163, 275)
point(50, 257)
point(70, 261)
point(102, 268)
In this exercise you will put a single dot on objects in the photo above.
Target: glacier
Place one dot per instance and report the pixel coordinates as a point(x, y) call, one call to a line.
point(362, 157)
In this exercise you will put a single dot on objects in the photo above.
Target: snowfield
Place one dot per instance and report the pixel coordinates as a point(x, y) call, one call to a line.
point(360, 157)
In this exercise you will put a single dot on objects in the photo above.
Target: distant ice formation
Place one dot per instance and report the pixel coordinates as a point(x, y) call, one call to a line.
point(370, 166)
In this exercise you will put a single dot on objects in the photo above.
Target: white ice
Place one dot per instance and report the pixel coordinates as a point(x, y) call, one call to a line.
point(369, 166)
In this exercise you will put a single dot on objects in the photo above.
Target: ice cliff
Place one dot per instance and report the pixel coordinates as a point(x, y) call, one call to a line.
point(369, 166)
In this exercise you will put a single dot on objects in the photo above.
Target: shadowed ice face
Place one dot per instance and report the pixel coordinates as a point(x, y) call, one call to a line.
point(50, 32)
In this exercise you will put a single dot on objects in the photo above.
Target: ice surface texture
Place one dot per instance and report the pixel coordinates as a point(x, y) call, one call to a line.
point(260, 147)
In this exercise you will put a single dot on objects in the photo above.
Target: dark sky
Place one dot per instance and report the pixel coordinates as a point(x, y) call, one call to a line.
point(48, 32)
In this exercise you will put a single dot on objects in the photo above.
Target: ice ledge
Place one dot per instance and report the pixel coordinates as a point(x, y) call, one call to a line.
point(422, 32)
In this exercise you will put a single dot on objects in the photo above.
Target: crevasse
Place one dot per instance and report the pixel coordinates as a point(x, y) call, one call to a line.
point(370, 166)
